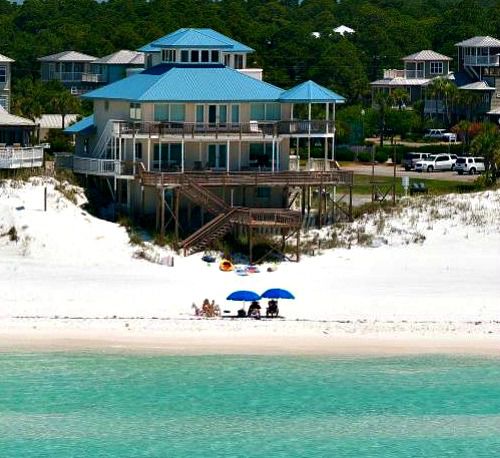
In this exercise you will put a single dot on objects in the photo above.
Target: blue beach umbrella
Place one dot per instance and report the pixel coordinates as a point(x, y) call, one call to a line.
point(277, 293)
point(245, 296)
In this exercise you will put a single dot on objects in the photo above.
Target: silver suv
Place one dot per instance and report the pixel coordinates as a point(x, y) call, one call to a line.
point(470, 165)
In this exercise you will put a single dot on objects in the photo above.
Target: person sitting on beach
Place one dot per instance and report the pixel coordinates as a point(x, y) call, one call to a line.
point(254, 310)
point(197, 310)
point(272, 309)
point(216, 309)
point(205, 308)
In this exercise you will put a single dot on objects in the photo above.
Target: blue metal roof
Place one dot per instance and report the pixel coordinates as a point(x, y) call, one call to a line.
point(310, 92)
point(82, 127)
point(196, 38)
point(188, 83)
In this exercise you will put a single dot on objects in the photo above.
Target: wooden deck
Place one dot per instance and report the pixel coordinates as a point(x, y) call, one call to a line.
point(234, 179)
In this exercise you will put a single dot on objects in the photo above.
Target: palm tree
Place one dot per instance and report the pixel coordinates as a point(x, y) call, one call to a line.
point(382, 104)
point(442, 89)
point(65, 103)
point(400, 96)
point(487, 144)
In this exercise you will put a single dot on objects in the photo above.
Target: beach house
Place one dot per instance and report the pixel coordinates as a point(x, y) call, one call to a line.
point(82, 73)
point(198, 138)
point(5, 83)
point(479, 72)
point(419, 70)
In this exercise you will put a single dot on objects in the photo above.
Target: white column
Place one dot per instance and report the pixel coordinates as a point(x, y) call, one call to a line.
point(149, 155)
point(182, 156)
point(278, 152)
point(239, 156)
point(159, 153)
point(272, 155)
point(334, 131)
point(227, 156)
point(200, 154)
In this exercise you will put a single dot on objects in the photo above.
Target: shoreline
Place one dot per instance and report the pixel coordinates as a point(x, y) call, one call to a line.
point(249, 338)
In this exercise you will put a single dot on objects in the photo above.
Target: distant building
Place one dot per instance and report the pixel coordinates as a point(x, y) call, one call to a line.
point(48, 122)
point(82, 73)
point(419, 70)
point(5, 83)
point(343, 30)
point(479, 71)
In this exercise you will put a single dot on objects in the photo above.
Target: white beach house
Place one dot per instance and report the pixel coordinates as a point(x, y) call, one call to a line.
point(200, 134)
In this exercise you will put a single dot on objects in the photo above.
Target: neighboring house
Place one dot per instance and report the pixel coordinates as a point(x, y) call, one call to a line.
point(479, 69)
point(419, 70)
point(15, 149)
point(196, 136)
point(117, 66)
point(48, 122)
point(71, 68)
point(82, 73)
point(5, 83)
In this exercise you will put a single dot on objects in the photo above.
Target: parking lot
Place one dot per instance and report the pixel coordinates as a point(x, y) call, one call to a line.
point(388, 171)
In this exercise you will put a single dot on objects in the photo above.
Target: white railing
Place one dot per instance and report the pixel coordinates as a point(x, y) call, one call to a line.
point(19, 158)
point(482, 60)
point(413, 74)
point(88, 165)
point(66, 76)
point(93, 78)
point(393, 73)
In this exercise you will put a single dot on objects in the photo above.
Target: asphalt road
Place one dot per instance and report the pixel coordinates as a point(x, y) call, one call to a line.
point(388, 171)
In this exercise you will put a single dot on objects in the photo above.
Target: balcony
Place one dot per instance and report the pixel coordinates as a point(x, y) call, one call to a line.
point(485, 61)
point(93, 78)
point(101, 167)
point(21, 157)
point(237, 130)
point(414, 74)
point(66, 77)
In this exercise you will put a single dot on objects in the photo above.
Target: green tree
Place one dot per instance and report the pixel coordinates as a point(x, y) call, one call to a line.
point(487, 144)
point(64, 103)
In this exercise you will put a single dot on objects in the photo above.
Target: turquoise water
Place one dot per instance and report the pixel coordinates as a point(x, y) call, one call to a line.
point(66, 405)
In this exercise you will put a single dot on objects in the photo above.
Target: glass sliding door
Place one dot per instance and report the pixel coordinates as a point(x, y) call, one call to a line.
point(217, 156)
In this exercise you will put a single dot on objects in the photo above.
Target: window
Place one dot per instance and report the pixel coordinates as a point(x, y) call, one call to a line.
point(265, 111)
point(184, 56)
point(168, 55)
point(200, 114)
point(138, 151)
point(3, 73)
point(217, 156)
point(3, 101)
point(168, 156)
point(106, 105)
point(263, 193)
point(135, 111)
point(235, 114)
point(215, 56)
point(205, 56)
point(238, 61)
point(195, 56)
point(436, 68)
point(261, 154)
point(174, 112)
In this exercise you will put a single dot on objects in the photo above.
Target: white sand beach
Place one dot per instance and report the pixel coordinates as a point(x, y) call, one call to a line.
point(427, 282)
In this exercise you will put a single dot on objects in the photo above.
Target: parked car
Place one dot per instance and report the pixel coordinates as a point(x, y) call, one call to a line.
point(435, 163)
point(449, 137)
point(435, 134)
point(470, 165)
point(410, 159)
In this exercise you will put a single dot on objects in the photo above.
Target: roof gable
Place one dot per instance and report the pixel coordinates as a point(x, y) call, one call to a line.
point(122, 57)
point(426, 54)
point(68, 56)
point(5, 58)
point(196, 38)
point(480, 42)
point(311, 92)
point(188, 83)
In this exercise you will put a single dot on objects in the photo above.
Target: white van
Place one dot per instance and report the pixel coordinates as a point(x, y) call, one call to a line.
point(470, 165)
